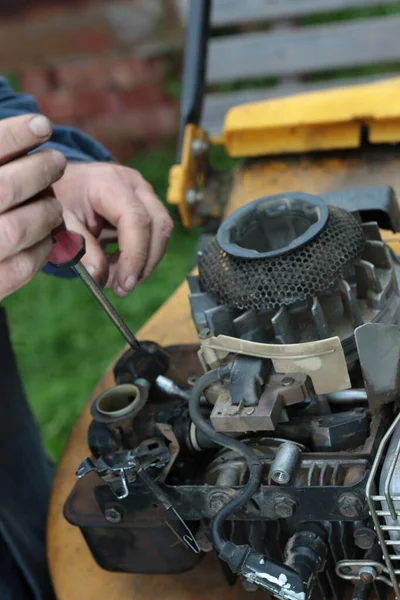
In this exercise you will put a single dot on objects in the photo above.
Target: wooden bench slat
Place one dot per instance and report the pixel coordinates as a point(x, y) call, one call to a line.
point(217, 105)
point(305, 50)
point(236, 12)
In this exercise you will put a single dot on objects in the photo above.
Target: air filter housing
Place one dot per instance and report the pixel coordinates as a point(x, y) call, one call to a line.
point(278, 250)
point(295, 268)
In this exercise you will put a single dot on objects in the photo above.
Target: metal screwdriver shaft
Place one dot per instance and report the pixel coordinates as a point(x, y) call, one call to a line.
point(104, 302)
point(68, 249)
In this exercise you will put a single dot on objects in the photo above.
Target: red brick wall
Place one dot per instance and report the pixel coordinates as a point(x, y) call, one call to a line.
point(120, 101)
point(110, 92)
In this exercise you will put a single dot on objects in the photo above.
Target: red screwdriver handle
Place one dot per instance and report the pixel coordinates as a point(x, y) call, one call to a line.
point(68, 248)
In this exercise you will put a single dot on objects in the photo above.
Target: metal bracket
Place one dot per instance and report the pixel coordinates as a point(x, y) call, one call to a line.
point(323, 360)
point(361, 569)
point(119, 467)
point(187, 179)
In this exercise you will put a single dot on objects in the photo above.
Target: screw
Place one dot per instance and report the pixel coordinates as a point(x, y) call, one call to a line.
point(286, 381)
point(250, 411)
point(205, 333)
point(199, 147)
point(113, 515)
point(284, 506)
point(350, 505)
point(364, 538)
point(367, 574)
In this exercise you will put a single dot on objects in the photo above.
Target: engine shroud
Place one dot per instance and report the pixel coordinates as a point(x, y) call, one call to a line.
point(287, 269)
point(342, 277)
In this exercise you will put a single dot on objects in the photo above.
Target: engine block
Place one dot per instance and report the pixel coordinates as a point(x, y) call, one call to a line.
point(274, 442)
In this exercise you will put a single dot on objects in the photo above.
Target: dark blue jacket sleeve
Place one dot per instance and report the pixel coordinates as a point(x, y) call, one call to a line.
point(76, 146)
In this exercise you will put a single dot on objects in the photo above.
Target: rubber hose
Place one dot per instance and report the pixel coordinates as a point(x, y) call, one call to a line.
point(253, 462)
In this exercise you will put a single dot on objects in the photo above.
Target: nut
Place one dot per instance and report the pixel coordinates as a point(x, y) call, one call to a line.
point(113, 515)
point(350, 505)
point(284, 506)
point(367, 574)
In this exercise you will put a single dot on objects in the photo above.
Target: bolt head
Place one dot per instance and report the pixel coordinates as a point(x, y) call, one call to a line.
point(216, 505)
point(199, 147)
point(248, 585)
point(286, 381)
point(204, 541)
point(191, 196)
point(113, 515)
point(284, 506)
point(250, 411)
point(217, 501)
point(205, 333)
point(350, 505)
point(364, 538)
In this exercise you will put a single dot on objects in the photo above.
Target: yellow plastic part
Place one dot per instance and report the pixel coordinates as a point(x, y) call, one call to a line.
point(323, 120)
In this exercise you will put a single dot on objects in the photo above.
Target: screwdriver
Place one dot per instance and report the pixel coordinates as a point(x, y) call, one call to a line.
point(68, 249)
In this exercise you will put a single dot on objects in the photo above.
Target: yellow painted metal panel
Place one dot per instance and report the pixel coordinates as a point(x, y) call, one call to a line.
point(298, 124)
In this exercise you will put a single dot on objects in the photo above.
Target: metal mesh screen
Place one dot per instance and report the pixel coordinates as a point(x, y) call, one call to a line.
point(269, 283)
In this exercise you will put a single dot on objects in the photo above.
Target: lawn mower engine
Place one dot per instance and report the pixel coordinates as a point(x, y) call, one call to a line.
point(273, 443)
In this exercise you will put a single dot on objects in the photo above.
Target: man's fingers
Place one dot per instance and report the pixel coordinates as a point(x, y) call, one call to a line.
point(134, 237)
point(27, 225)
point(19, 135)
point(25, 177)
point(133, 223)
point(94, 259)
point(25, 241)
point(162, 227)
point(19, 269)
point(112, 260)
point(144, 227)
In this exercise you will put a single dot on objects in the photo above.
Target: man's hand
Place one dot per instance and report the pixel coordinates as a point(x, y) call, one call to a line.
point(107, 202)
point(25, 227)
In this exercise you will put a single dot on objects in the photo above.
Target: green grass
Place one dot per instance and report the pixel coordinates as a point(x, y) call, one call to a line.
point(63, 340)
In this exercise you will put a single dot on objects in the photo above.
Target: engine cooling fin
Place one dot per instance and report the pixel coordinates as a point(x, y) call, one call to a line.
point(281, 280)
